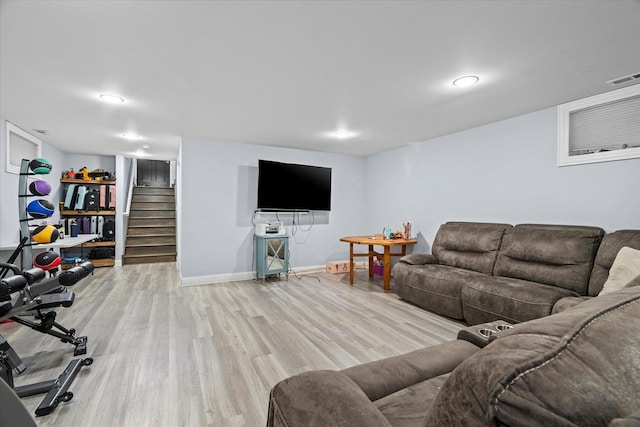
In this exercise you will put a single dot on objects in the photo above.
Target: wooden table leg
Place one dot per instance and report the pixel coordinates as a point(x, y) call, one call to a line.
point(370, 261)
point(404, 250)
point(352, 267)
point(387, 268)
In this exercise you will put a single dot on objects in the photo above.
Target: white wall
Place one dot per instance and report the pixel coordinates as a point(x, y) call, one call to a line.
point(502, 172)
point(178, 196)
point(218, 183)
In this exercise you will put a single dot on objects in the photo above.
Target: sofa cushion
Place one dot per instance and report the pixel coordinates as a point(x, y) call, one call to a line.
point(631, 420)
point(592, 347)
point(557, 255)
point(384, 377)
point(419, 259)
point(568, 302)
point(609, 248)
point(489, 298)
point(408, 407)
point(319, 399)
point(469, 245)
point(624, 269)
point(432, 287)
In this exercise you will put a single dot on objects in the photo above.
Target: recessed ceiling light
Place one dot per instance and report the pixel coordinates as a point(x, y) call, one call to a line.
point(130, 136)
point(466, 81)
point(111, 99)
point(146, 146)
point(342, 134)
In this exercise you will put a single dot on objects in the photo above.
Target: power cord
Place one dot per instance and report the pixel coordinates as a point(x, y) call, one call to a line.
point(296, 227)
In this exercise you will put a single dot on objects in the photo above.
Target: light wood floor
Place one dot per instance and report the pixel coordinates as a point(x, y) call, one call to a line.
point(166, 355)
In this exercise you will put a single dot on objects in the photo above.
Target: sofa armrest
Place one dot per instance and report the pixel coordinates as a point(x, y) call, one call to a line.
point(567, 302)
point(384, 377)
point(321, 398)
point(632, 420)
point(419, 259)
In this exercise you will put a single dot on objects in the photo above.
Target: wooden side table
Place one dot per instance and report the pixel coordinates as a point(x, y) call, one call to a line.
point(372, 241)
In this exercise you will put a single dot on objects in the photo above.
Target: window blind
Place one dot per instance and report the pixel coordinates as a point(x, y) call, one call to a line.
point(610, 126)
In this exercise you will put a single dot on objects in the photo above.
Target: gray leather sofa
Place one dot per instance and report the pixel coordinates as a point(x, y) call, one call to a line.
point(480, 272)
point(609, 248)
point(577, 367)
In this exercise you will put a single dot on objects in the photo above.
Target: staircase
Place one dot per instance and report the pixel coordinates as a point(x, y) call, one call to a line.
point(151, 234)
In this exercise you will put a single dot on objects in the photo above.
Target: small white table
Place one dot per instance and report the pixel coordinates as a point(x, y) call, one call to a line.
point(67, 242)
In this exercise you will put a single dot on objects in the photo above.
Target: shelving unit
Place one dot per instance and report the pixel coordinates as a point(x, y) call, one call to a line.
point(110, 213)
point(85, 181)
point(107, 262)
point(70, 212)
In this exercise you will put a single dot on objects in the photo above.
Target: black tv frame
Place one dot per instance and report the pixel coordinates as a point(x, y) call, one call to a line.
point(280, 185)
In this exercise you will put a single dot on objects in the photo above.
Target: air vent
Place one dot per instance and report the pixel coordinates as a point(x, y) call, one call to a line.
point(624, 79)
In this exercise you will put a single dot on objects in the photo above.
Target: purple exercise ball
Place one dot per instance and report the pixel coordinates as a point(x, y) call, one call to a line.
point(40, 188)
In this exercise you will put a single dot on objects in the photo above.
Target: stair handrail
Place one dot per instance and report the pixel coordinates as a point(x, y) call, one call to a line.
point(125, 215)
point(132, 178)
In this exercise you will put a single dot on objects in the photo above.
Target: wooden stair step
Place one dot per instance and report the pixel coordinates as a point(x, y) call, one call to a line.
point(151, 214)
point(148, 244)
point(139, 241)
point(153, 206)
point(152, 198)
point(150, 250)
point(151, 222)
point(150, 231)
point(161, 191)
point(147, 259)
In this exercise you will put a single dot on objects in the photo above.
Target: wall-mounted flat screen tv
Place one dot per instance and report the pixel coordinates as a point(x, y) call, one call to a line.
point(292, 187)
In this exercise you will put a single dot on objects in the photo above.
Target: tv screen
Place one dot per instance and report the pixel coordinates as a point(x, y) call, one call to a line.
point(288, 186)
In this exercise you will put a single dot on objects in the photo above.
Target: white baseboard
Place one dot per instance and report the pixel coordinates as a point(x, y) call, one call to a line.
point(236, 277)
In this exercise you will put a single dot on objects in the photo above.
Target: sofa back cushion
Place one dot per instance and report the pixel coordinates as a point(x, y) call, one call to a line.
point(578, 367)
point(609, 248)
point(557, 255)
point(468, 245)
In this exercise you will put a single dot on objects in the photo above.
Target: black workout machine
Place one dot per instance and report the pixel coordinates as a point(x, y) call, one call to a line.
point(26, 292)
point(42, 298)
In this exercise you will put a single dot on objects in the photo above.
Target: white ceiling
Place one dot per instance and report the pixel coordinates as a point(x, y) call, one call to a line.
point(288, 73)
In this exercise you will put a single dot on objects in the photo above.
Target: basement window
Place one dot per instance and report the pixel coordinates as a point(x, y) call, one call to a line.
point(600, 128)
point(20, 145)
